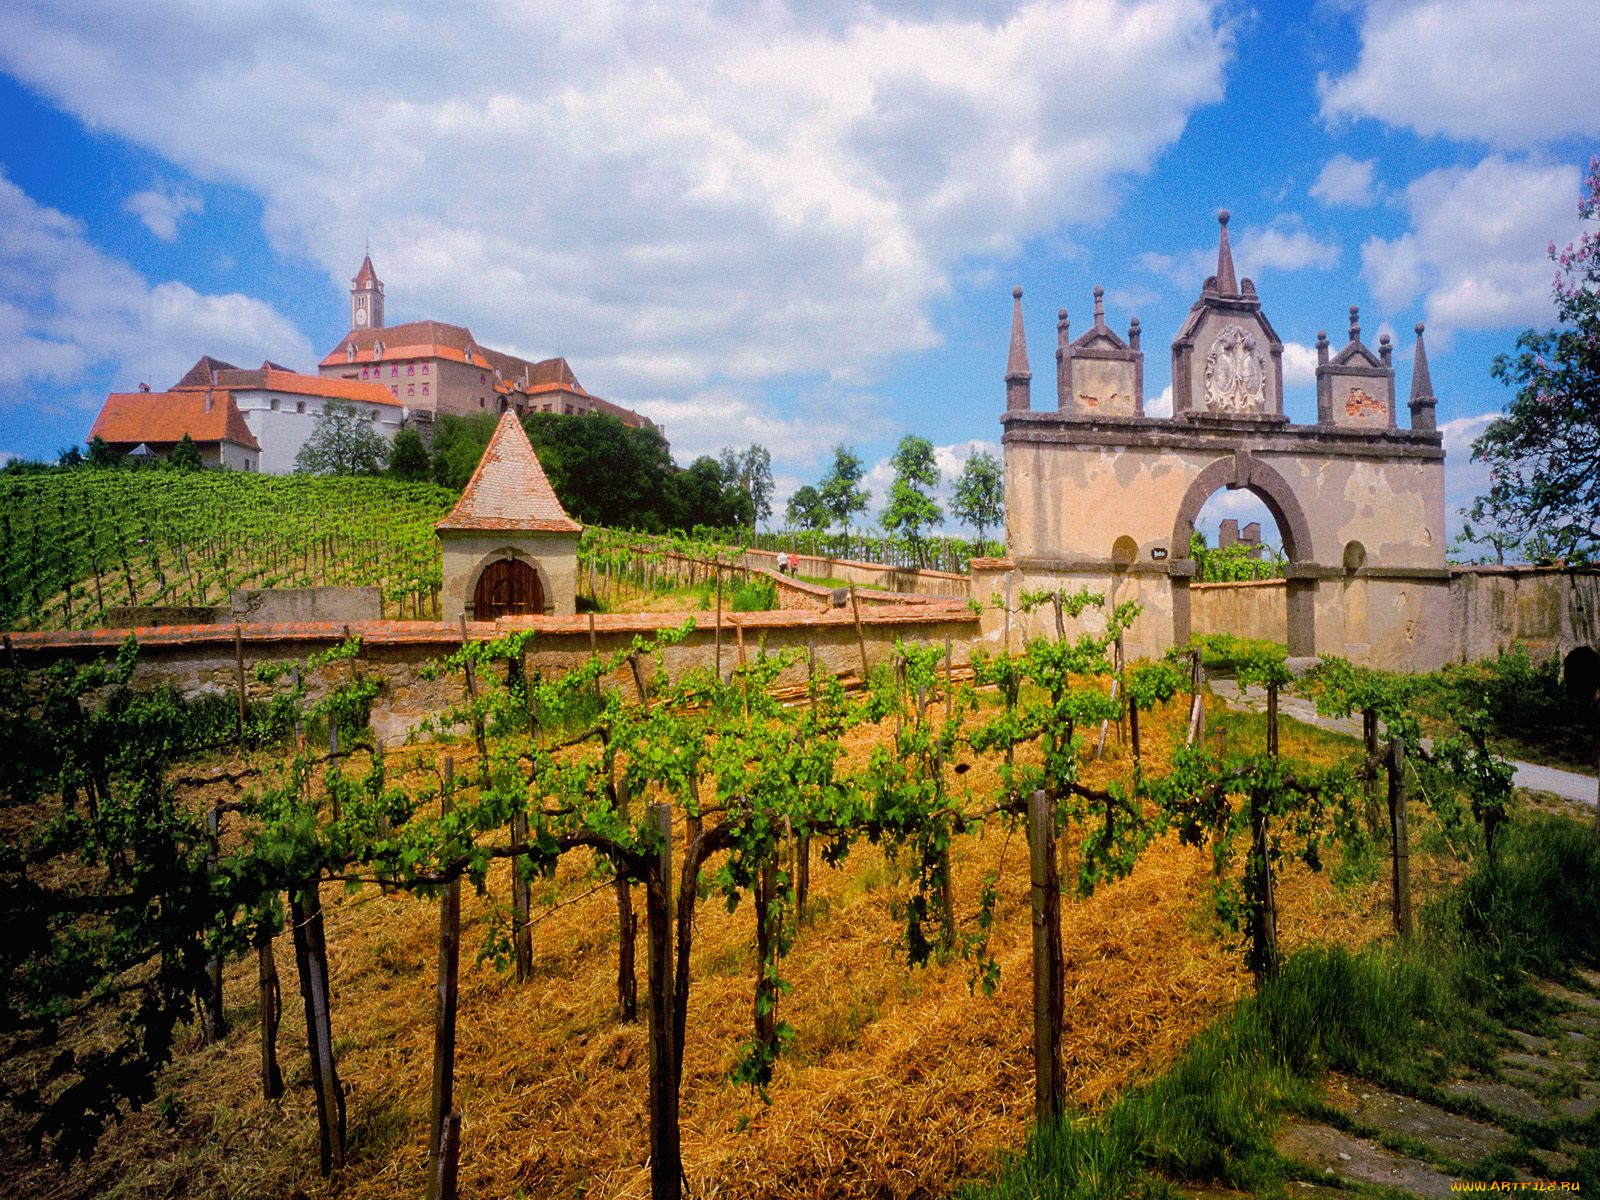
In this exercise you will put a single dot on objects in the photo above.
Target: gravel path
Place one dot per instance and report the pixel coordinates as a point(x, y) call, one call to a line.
point(1569, 785)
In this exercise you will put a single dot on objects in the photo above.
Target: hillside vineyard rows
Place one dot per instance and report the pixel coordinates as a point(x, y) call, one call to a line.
point(75, 544)
point(677, 790)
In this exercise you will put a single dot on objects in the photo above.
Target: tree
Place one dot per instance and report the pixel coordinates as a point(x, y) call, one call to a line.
point(911, 511)
point(841, 488)
point(458, 444)
point(101, 454)
point(1544, 453)
point(69, 456)
point(185, 456)
point(408, 456)
point(980, 493)
point(704, 494)
point(605, 472)
point(751, 472)
point(807, 509)
point(342, 442)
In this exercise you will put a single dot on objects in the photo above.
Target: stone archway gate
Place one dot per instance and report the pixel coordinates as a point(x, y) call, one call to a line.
point(1099, 494)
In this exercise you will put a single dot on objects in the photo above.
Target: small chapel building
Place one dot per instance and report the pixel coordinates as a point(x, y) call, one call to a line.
point(509, 547)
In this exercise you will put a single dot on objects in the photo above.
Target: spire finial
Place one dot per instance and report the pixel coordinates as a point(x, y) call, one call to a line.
point(1099, 307)
point(1227, 281)
point(1133, 334)
point(1355, 323)
point(1062, 325)
point(1422, 399)
point(1017, 373)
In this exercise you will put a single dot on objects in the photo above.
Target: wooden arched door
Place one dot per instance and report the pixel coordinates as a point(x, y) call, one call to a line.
point(505, 588)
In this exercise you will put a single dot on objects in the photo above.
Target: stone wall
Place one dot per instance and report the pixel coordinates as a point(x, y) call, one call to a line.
point(902, 580)
point(202, 658)
point(1253, 609)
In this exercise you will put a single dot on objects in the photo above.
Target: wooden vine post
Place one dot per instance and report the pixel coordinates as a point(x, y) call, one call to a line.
point(238, 659)
point(1048, 970)
point(1401, 888)
point(442, 1150)
point(215, 1023)
point(1369, 741)
point(1264, 912)
point(666, 1160)
point(311, 955)
point(270, 1002)
point(861, 638)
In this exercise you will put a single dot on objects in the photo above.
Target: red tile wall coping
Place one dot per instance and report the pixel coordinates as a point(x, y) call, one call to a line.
point(448, 633)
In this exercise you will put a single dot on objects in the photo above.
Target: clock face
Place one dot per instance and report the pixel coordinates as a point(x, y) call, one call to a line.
point(361, 315)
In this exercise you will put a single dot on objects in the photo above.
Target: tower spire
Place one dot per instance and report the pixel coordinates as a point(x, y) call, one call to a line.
point(1423, 402)
point(1018, 377)
point(1227, 281)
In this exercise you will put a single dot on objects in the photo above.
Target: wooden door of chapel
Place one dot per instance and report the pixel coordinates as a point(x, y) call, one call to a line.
point(507, 587)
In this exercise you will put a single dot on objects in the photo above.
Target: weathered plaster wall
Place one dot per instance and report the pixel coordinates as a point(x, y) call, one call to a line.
point(553, 555)
point(201, 658)
point(1253, 609)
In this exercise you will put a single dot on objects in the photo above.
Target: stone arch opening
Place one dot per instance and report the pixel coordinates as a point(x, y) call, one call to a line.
point(508, 583)
point(1580, 674)
point(1124, 553)
point(1243, 470)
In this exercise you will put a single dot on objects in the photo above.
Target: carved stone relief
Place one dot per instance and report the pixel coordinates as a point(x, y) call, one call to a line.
point(1236, 372)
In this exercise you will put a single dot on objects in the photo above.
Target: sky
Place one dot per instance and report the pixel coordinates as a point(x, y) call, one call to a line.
point(788, 222)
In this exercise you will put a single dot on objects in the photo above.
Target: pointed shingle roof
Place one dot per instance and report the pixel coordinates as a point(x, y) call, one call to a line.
point(366, 275)
point(509, 490)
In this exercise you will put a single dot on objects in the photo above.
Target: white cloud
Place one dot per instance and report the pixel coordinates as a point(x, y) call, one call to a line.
point(68, 310)
point(1346, 181)
point(736, 193)
point(1160, 406)
point(1511, 74)
point(706, 421)
point(1477, 248)
point(1299, 365)
point(1280, 246)
point(160, 208)
point(1464, 480)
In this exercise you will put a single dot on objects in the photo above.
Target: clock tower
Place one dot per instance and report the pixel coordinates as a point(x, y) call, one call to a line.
point(366, 298)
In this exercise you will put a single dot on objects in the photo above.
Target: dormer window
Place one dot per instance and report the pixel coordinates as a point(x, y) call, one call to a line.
point(350, 352)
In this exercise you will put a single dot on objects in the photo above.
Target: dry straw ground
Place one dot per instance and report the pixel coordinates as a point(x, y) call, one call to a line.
point(900, 1082)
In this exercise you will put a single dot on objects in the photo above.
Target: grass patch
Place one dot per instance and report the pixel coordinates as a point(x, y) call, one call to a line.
point(1403, 1016)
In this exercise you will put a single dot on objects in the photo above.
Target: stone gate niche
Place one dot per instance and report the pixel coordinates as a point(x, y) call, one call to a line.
point(1101, 495)
point(509, 547)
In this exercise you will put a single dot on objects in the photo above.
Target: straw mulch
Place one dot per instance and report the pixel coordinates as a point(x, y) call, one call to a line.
point(899, 1082)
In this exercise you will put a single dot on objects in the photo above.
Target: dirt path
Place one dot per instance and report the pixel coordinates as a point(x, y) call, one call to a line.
point(1524, 1119)
point(1573, 786)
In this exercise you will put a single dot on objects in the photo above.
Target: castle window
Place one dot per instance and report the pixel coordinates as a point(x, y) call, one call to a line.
point(363, 372)
point(395, 391)
point(411, 370)
point(274, 404)
point(394, 372)
point(424, 386)
point(480, 401)
point(482, 378)
point(424, 368)
point(373, 415)
point(299, 406)
point(411, 389)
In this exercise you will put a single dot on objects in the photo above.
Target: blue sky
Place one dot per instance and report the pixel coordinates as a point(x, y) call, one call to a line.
point(793, 224)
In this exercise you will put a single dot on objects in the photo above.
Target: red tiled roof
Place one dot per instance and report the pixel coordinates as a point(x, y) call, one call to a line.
point(435, 339)
point(280, 379)
point(162, 418)
point(509, 490)
point(199, 375)
point(366, 274)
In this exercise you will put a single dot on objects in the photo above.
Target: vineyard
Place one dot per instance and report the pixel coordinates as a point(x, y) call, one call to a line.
point(75, 544)
point(672, 885)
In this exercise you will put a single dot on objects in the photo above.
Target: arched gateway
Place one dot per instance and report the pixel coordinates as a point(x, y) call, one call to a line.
point(1099, 494)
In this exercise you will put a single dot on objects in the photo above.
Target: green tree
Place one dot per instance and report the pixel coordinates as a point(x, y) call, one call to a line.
point(408, 456)
point(980, 498)
point(458, 444)
point(185, 455)
point(751, 471)
point(1544, 453)
point(343, 441)
point(911, 511)
point(69, 456)
point(605, 472)
point(101, 454)
point(704, 494)
point(807, 509)
point(841, 489)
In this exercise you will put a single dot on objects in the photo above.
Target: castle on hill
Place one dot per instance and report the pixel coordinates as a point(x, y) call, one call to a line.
point(258, 419)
